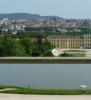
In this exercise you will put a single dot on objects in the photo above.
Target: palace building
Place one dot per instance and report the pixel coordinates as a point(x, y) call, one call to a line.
point(66, 41)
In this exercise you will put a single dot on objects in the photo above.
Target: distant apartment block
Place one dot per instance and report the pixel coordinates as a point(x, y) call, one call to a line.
point(67, 41)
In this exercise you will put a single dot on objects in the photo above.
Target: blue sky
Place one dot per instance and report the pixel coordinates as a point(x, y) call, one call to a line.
point(62, 8)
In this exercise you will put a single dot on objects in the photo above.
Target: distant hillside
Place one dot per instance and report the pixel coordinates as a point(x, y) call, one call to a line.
point(17, 16)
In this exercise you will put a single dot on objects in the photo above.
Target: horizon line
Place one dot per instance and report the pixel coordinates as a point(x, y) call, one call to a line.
point(45, 15)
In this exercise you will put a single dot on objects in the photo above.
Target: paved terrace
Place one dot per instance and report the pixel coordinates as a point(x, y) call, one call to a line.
point(43, 97)
point(47, 60)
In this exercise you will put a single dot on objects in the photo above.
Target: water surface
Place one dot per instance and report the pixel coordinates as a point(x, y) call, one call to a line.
point(47, 76)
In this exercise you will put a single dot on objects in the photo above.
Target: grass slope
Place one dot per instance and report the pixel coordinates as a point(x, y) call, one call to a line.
point(21, 90)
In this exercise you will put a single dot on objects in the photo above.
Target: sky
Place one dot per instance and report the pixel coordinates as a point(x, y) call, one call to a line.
point(64, 8)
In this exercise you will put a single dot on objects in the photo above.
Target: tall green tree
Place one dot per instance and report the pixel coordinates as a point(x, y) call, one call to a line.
point(11, 47)
point(27, 45)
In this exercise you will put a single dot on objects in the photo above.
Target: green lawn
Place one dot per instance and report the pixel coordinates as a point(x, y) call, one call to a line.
point(21, 90)
point(74, 51)
point(73, 54)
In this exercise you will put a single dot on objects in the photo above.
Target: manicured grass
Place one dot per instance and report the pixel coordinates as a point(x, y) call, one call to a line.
point(73, 54)
point(74, 51)
point(77, 54)
point(45, 91)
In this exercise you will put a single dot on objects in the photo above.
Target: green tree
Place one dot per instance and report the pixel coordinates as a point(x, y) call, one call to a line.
point(27, 45)
point(11, 47)
point(42, 49)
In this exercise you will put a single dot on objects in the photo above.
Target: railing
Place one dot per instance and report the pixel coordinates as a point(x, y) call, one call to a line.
point(45, 60)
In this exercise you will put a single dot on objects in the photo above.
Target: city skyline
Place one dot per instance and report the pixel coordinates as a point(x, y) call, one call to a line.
point(78, 9)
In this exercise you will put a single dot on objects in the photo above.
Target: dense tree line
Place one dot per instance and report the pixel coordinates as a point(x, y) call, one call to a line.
point(11, 46)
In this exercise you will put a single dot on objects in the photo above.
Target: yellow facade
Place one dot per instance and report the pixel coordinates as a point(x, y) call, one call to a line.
point(71, 42)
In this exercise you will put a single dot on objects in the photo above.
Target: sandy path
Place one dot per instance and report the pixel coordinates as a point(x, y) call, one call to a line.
point(43, 97)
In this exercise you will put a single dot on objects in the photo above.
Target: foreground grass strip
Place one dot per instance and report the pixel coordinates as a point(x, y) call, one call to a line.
point(20, 90)
point(48, 92)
